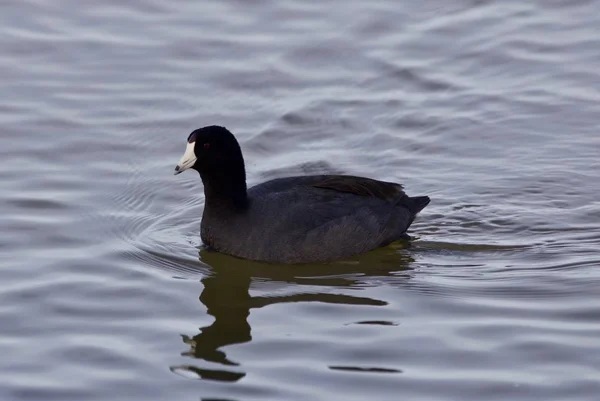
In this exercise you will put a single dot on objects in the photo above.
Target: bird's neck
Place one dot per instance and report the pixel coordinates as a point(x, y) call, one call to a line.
point(225, 189)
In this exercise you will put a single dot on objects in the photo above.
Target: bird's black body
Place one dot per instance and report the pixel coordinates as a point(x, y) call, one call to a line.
point(299, 219)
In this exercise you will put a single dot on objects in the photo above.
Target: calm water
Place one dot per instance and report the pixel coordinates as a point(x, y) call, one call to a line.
point(490, 107)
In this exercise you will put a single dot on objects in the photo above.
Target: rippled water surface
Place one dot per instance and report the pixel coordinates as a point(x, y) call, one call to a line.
point(490, 107)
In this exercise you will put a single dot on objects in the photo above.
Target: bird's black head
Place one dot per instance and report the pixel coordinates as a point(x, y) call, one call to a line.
point(209, 149)
point(214, 152)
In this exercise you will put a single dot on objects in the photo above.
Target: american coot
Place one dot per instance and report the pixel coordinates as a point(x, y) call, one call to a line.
point(300, 219)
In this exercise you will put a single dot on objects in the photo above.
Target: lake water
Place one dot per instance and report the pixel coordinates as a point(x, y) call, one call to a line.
point(492, 108)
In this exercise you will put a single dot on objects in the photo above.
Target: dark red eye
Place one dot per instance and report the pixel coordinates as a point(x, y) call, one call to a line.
point(206, 145)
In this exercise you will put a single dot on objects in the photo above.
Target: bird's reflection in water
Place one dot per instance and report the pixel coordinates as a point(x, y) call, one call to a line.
point(226, 295)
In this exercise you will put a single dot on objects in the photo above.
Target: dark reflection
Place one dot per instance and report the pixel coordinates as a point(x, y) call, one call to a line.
point(207, 374)
point(370, 370)
point(378, 323)
point(226, 295)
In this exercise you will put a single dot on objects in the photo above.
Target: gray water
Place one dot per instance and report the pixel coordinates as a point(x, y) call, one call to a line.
point(492, 108)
